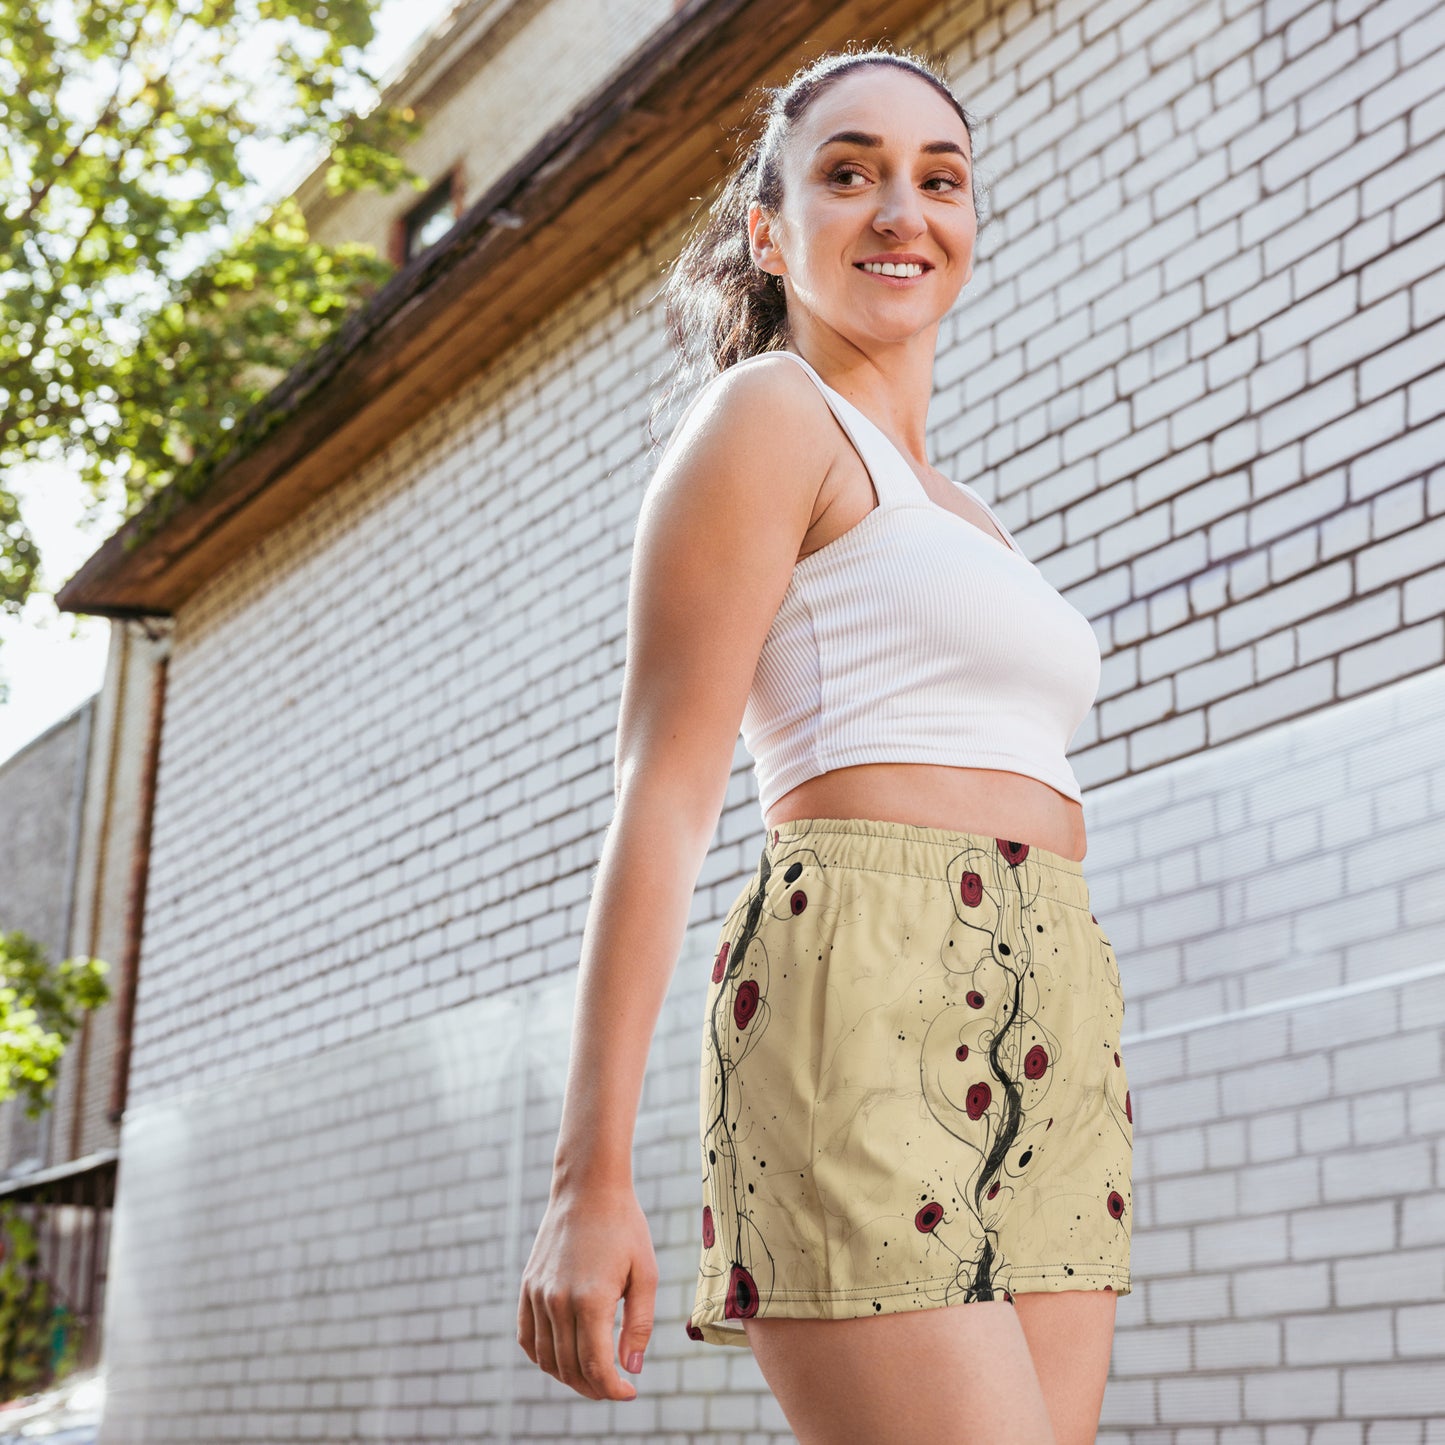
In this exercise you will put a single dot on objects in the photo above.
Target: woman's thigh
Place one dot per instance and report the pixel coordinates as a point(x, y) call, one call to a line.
point(953, 1375)
point(1071, 1337)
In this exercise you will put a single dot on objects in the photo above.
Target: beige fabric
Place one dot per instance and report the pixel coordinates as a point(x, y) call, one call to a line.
point(912, 1092)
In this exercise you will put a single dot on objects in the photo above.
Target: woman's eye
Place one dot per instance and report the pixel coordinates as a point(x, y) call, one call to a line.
point(840, 171)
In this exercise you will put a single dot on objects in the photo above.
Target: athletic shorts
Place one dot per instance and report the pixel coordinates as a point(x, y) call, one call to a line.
point(912, 1090)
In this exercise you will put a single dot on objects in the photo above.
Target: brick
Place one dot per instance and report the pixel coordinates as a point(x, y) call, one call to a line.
point(1292, 1394)
point(1413, 168)
point(1194, 1297)
point(1298, 416)
point(1395, 1277)
point(1420, 1330)
point(1264, 1241)
point(1422, 1220)
point(1376, 1391)
point(1412, 649)
point(1370, 617)
point(1342, 1229)
point(1238, 1344)
point(1282, 1290)
point(1380, 21)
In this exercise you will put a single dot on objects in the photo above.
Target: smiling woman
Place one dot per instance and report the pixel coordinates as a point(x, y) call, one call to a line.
point(911, 1092)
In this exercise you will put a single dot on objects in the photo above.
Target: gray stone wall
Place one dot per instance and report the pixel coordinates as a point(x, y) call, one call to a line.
point(39, 784)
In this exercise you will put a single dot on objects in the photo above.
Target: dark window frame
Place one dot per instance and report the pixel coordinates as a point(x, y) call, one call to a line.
point(445, 194)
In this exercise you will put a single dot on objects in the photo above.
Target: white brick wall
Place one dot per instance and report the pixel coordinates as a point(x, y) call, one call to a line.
point(1200, 337)
point(1195, 372)
point(1285, 979)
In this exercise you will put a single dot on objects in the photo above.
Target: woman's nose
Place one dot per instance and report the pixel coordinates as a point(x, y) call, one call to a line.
point(900, 211)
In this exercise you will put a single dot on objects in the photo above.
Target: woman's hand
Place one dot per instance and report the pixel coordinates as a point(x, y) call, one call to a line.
point(593, 1248)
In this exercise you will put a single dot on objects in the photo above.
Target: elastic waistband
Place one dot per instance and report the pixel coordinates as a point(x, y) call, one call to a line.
point(883, 846)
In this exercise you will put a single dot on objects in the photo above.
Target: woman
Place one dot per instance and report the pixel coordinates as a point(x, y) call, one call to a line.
point(912, 1095)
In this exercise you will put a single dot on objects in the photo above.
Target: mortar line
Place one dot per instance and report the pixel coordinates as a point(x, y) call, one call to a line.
point(1299, 1000)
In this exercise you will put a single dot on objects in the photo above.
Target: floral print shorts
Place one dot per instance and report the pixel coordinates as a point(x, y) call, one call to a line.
point(912, 1090)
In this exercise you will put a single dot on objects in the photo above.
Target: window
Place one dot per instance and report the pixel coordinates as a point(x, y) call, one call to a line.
point(429, 220)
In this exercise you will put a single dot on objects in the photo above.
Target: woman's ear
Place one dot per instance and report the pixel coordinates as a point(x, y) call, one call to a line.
point(766, 256)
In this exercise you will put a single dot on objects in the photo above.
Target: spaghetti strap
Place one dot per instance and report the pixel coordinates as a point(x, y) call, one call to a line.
point(881, 455)
point(894, 480)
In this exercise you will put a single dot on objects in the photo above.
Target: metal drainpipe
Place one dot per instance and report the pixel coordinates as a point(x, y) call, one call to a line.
point(97, 907)
point(139, 877)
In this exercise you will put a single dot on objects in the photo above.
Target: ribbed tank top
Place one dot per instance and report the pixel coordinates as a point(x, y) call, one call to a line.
point(915, 637)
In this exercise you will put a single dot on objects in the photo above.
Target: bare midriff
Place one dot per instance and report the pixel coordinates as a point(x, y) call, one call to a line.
point(990, 801)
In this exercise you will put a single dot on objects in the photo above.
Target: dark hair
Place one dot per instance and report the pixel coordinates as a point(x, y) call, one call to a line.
point(720, 308)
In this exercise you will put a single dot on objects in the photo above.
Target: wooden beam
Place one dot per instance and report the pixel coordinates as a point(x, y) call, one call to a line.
point(594, 187)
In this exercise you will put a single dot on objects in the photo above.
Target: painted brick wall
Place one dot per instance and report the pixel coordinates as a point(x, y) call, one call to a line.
point(1199, 370)
point(1276, 908)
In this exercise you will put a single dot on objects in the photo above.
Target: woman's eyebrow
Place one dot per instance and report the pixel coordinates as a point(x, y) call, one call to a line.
point(863, 138)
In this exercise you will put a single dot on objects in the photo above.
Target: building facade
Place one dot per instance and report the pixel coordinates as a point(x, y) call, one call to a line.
point(75, 810)
point(1197, 371)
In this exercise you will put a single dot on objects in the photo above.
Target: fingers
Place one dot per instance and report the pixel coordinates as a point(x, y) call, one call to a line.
point(591, 1337)
point(526, 1325)
point(570, 1338)
point(534, 1332)
point(638, 1309)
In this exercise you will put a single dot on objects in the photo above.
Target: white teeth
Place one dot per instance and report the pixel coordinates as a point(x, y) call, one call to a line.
point(890, 268)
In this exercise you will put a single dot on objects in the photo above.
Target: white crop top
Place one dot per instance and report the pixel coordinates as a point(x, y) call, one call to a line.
point(916, 637)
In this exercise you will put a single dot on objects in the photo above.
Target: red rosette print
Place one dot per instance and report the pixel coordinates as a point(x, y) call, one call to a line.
point(745, 1005)
point(1036, 1062)
point(1115, 1203)
point(720, 964)
point(707, 1230)
point(1013, 853)
point(694, 1332)
point(970, 890)
point(979, 1097)
point(928, 1218)
point(742, 1300)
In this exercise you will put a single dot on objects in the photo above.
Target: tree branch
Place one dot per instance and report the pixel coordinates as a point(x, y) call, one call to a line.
point(39, 193)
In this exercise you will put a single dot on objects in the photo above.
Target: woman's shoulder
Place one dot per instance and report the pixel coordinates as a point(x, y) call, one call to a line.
point(768, 396)
point(755, 441)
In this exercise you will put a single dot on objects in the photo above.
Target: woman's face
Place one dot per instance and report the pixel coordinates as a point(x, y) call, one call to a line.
point(899, 184)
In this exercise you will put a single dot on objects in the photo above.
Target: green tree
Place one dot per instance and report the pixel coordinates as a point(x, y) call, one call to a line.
point(143, 308)
point(32, 1313)
point(41, 1005)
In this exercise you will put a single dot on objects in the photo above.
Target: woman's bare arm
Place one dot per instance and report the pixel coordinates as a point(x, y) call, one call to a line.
point(719, 531)
point(718, 534)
